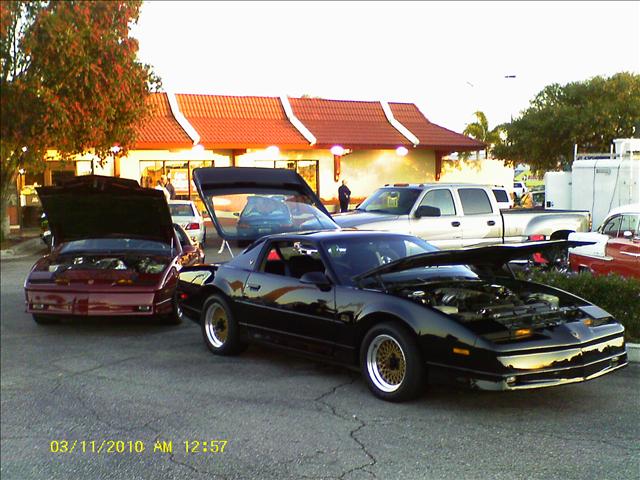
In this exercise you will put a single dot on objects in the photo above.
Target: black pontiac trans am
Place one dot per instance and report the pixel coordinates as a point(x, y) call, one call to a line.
point(387, 303)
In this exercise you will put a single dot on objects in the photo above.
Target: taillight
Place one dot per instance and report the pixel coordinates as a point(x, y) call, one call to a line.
point(536, 238)
point(192, 226)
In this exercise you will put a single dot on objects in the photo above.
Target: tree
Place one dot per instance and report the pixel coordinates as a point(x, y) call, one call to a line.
point(480, 131)
point(69, 81)
point(590, 114)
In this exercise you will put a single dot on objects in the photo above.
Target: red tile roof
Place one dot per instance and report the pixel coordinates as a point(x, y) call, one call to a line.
point(161, 130)
point(431, 135)
point(351, 124)
point(240, 122)
point(230, 122)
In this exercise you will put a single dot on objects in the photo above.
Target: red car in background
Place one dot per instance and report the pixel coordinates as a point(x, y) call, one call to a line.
point(115, 251)
point(616, 248)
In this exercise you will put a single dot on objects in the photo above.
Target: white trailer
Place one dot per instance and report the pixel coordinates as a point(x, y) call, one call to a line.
point(598, 182)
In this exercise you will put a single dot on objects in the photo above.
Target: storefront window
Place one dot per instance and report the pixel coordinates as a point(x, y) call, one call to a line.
point(307, 169)
point(150, 173)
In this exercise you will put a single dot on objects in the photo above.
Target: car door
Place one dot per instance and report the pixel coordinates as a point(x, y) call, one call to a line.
point(624, 248)
point(444, 231)
point(278, 304)
point(481, 224)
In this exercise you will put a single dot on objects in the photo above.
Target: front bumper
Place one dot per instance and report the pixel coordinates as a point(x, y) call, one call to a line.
point(549, 368)
point(82, 303)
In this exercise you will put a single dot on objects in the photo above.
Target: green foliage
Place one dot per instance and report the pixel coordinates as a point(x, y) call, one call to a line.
point(590, 114)
point(480, 131)
point(69, 80)
point(618, 295)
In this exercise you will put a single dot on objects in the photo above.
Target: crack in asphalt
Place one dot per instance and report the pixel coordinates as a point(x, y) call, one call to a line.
point(353, 432)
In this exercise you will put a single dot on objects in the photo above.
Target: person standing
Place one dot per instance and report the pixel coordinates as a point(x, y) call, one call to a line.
point(169, 186)
point(160, 186)
point(344, 195)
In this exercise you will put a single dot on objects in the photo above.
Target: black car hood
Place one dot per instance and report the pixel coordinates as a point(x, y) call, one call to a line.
point(494, 256)
point(94, 206)
point(217, 181)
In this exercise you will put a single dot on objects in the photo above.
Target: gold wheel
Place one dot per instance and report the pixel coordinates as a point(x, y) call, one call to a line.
point(386, 363)
point(216, 325)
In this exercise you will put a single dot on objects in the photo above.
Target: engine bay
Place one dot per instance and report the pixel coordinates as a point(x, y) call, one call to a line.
point(492, 309)
point(131, 263)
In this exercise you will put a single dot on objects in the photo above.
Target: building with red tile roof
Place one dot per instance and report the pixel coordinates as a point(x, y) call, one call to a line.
point(369, 143)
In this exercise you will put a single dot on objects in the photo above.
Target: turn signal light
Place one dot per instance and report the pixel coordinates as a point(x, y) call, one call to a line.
point(124, 281)
point(62, 281)
point(588, 322)
point(523, 332)
point(192, 226)
point(461, 351)
point(183, 296)
point(536, 238)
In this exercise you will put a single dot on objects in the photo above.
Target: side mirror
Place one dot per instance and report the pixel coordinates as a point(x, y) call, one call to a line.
point(318, 279)
point(627, 234)
point(427, 211)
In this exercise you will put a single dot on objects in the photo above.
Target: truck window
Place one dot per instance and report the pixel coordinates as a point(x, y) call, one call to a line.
point(475, 201)
point(441, 199)
point(501, 195)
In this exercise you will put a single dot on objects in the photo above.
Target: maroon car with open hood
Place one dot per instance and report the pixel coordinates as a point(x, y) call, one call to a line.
point(115, 251)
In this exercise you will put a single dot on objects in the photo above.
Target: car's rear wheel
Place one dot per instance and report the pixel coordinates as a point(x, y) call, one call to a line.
point(391, 362)
point(220, 330)
point(45, 319)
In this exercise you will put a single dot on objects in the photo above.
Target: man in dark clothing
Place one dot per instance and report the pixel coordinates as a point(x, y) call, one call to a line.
point(344, 195)
point(170, 188)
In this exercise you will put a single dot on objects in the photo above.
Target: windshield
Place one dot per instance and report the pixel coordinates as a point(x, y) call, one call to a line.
point(181, 210)
point(251, 215)
point(397, 201)
point(356, 255)
point(103, 245)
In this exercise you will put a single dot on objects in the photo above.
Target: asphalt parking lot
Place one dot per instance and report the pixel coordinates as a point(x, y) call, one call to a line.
point(111, 387)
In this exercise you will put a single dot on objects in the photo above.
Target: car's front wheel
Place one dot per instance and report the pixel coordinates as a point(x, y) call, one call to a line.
point(391, 362)
point(220, 330)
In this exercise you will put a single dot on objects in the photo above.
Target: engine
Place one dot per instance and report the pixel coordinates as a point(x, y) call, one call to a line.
point(141, 264)
point(489, 304)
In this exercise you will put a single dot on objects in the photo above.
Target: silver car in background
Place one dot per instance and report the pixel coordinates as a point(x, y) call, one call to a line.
point(185, 213)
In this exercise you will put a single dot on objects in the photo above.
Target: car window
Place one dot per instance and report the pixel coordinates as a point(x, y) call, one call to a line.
point(440, 198)
point(612, 227)
point(501, 195)
point(292, 259)
point(475, 201)
point(397, 201)
point(629, 223)
point(182, 236)
point(353, 256)
point(181, 210)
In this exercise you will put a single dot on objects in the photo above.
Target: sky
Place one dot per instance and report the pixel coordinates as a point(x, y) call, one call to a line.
point(449, 58)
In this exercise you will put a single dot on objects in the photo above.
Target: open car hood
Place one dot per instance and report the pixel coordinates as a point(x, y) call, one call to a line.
point(247, 203)
point(494, 256)
point(94, 206)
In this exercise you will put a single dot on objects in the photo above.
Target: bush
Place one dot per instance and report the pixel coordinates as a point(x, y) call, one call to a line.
point(618, 295)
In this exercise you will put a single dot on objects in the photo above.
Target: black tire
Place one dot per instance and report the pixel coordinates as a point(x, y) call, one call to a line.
point(176, 316)
point(220, 330)
point(204, 236)
point(45, 319)
point(402, 375)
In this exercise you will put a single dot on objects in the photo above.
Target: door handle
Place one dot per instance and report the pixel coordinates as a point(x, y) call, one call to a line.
point(455, 224)
point(253, 286)
point(491, 223)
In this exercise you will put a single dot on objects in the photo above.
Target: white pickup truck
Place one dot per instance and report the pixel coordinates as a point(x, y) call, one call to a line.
point(458, 215)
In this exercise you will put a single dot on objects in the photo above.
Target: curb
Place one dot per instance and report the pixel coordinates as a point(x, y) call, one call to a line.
point(27, 248)
point(633, 352)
